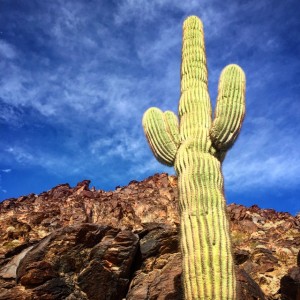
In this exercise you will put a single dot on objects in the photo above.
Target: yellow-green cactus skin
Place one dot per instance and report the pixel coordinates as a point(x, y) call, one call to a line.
point(196, 146)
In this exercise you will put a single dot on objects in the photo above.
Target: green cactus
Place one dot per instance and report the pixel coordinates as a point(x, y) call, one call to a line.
point(196, 148)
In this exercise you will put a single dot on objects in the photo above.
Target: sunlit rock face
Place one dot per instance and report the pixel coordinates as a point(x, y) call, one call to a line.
point(82, 243)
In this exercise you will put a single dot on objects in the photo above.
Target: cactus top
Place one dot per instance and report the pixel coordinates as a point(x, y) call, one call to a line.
point(196, 126)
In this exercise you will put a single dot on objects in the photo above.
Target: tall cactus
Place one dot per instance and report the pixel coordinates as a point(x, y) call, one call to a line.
point(196, 147)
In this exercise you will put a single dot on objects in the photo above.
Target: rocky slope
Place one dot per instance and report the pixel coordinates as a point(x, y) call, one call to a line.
point(82, 243)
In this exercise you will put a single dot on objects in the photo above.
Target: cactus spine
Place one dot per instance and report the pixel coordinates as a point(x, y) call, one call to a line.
point(196, 148)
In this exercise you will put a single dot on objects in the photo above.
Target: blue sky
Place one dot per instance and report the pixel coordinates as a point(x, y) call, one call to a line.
point(76, 77)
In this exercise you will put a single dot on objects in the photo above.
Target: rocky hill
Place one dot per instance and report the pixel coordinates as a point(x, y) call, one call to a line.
point(82, 243)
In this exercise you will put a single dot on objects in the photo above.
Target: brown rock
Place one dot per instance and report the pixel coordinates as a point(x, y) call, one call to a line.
point(158, 240)
point(158, 280)
point(264, 259)
point(61, 191)
point(89, 260)
point(290, 285)
point(130, 247)
point(241, 256)
point(54, 289)
point(247, 288)
point(83, 184)
point(9, 270)
point(37, 273)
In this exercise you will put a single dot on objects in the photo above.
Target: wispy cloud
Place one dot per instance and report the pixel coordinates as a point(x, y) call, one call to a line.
point(4, 171)
point(260, 160)
point(7, 50)
point(138, 11)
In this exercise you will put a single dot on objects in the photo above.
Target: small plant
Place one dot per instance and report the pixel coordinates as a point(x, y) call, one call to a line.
point(196, 145)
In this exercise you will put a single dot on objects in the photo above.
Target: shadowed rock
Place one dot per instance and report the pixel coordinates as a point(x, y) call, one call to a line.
point(290, 283)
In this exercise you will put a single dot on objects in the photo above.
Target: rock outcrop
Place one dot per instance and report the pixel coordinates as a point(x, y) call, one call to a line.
point(82, 243)
point(290, 283)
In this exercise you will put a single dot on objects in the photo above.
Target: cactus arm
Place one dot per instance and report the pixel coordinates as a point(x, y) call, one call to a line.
point(230, 109)
point(161, 131)
point(172, 126)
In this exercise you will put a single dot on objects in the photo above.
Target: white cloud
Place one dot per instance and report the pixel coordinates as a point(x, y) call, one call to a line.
point(135, 9)
point(29, 157)
point(20, 155)
point(149, 166)
point(260, 160)
point(143, 11)
point(151, 51)
point(7, 50)
point(122, 145)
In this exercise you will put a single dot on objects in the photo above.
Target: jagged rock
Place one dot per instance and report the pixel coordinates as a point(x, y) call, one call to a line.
point(264, 260)
point(158, 278)
point(86, 261)
point(247, 288)
point(290, 283)
point(82, 243)
point(10, 269)
point(37, 273)
point(159, 272)
point(241, 256)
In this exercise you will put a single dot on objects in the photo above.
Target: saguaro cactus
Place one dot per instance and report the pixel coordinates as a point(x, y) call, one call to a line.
point(196, 146)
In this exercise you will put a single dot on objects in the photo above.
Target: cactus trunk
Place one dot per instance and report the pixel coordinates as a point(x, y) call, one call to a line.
point(208, 269)
point(196, 147)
